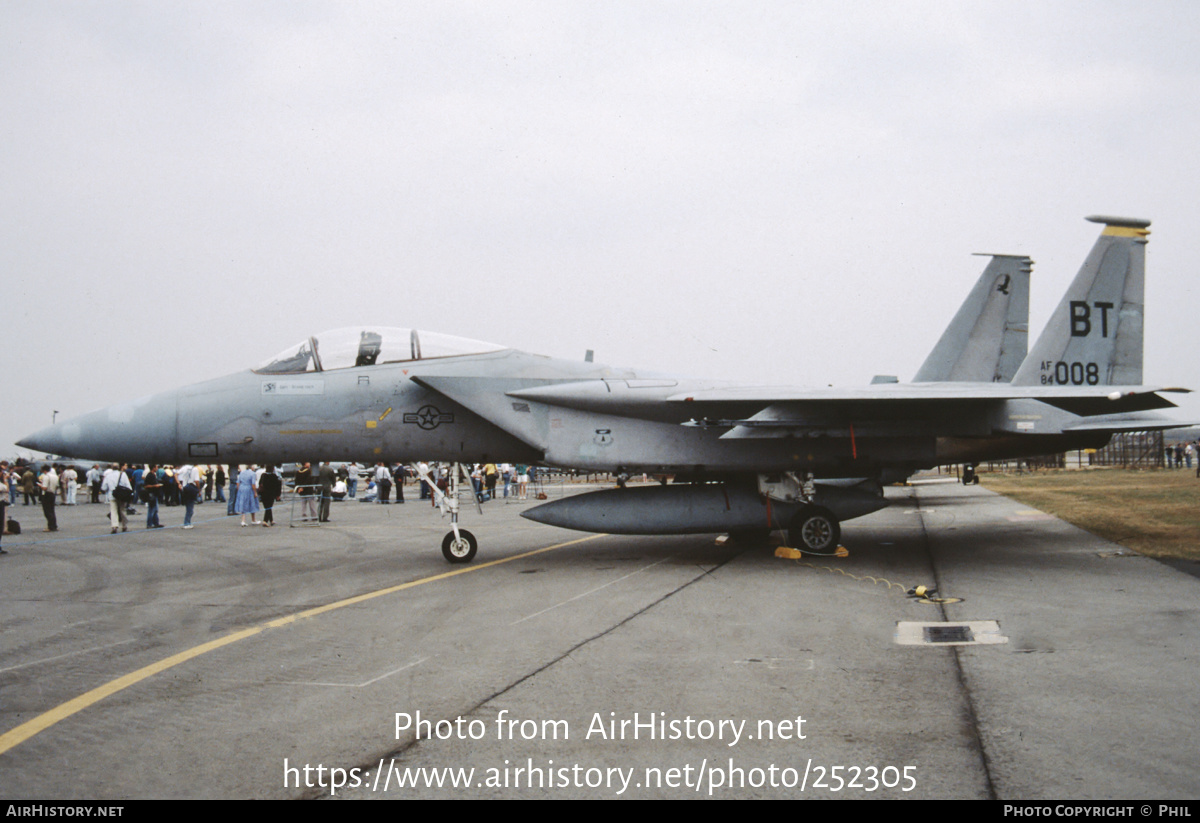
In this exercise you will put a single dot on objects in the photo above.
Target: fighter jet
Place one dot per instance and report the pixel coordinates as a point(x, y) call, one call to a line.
point(738, 452)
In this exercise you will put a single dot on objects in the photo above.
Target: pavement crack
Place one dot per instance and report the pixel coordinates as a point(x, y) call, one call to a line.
point(703, 574)
point(956, 651)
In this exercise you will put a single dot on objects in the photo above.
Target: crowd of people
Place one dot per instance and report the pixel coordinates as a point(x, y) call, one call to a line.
point(251, 489)
point(1181, 454)
point(484, 479)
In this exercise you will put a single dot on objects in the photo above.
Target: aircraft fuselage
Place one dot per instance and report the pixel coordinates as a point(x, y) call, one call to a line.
point(445, 410)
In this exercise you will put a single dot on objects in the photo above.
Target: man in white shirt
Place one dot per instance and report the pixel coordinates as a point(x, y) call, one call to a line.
point(94, 476)
point(70, 479)
point(383, 483)
point(114, 478)
point(189, 491)
point(47, 488)
point(422, 478)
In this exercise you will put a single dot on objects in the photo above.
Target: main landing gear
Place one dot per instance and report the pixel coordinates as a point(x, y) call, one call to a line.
point(814, 529)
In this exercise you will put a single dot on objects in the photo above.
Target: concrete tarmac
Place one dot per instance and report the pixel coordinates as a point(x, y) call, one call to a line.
point(229, 662)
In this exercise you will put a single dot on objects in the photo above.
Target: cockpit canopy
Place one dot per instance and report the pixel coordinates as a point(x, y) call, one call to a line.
point(349, 347)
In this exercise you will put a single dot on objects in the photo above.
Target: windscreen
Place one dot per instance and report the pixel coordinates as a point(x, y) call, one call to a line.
point(369, 346)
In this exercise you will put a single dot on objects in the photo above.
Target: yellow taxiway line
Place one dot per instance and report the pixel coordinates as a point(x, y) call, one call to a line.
point(29, 728)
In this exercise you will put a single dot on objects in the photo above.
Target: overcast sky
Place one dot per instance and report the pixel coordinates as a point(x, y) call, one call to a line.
point(777, 192)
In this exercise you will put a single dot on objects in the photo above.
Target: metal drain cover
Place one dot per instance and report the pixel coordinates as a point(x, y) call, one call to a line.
point(948, 634)
point(970, 633)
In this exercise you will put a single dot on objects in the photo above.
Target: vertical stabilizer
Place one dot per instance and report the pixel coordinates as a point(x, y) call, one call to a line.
point(988, 337)
point(1094, 337)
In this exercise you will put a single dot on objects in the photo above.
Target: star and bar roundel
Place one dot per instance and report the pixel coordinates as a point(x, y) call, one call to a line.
point(428, 417)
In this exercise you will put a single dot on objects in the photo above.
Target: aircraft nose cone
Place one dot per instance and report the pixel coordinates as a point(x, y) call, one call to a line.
point(58, 439)
point(141, 431)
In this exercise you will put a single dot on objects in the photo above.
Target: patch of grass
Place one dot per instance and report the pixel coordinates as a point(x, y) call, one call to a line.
point(1155, 513)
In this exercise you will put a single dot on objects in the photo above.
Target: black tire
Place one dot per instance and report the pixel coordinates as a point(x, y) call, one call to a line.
point(460, 551)
point(814, 529)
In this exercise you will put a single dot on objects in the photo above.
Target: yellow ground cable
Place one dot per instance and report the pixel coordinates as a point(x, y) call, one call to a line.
point(918, 592)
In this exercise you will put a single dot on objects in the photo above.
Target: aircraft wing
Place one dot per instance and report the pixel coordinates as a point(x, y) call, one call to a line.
point(877, 400)
point(1083, 401)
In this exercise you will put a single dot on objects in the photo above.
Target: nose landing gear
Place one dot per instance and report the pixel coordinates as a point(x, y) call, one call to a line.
point(459, 545)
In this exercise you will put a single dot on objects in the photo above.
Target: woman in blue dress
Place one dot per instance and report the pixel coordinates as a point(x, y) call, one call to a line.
point(247, 495)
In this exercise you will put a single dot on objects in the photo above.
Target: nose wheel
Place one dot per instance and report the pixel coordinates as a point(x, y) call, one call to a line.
point(460, 547)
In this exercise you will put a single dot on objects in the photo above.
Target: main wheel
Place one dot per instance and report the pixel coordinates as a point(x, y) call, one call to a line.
point(461, 550)
point(814, 529)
